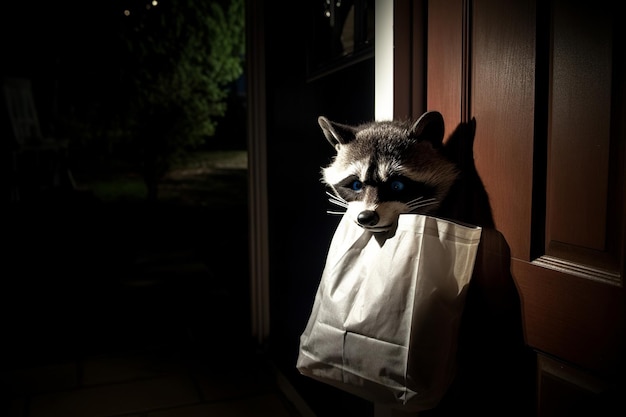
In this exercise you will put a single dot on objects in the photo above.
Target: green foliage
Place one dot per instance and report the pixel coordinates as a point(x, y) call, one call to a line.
point(182, 57)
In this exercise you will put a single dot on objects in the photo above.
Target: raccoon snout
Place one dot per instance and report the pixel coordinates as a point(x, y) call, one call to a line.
point(367, 218)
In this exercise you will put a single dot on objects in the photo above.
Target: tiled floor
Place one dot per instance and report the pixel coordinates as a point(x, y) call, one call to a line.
point(114, 313)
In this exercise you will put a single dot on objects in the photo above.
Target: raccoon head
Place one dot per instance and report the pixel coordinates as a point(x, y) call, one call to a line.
point(385, 168)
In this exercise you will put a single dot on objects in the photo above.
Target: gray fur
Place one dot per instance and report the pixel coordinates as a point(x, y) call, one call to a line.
point(379, 151)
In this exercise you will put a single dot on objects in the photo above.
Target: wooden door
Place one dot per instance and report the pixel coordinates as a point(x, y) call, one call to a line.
point(545, 82)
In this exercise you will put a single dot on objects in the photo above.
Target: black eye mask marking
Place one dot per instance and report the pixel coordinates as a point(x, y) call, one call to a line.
point(350, 188)
point(403, 189)
point(398, 188)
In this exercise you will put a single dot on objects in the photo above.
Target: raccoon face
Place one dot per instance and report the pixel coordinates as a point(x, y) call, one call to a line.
point(384, 169)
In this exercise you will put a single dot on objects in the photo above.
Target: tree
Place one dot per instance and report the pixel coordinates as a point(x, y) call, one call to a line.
point(181, 57)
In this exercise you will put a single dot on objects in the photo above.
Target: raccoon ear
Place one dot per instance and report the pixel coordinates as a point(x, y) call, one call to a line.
point(337, 134)
point(429, 127)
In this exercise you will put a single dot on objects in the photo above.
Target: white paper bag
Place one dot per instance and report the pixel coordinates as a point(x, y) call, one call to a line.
point(385, 320)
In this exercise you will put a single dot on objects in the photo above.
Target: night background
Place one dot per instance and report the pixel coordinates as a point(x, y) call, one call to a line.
point(134, 82)
point(125, 223)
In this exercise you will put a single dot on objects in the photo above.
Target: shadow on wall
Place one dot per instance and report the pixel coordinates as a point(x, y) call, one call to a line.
point(497, 371)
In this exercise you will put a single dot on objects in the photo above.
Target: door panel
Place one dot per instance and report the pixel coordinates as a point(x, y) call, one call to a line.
point(574, 318)
point(578, 228)
point(545, 83)
point(502, 101)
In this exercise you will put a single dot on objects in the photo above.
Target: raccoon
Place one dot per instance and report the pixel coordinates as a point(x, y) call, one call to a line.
point(385, 168)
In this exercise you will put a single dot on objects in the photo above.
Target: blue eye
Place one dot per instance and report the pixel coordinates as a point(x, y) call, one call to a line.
point(357, 185)
point(397, 185)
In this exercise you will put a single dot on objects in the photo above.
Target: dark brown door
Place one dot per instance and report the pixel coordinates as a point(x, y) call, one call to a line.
point(545, 82)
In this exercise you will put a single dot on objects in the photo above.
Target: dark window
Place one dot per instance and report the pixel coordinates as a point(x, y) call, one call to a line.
point(342, 33)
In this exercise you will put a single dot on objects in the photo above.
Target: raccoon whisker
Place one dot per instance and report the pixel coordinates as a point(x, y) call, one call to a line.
point(339, 203)
point(337, 200)
point(335, 212)
point(334, 196)
point(419, 203)
point(420, 200)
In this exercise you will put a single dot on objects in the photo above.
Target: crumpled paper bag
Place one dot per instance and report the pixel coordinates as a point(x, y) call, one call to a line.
point(385, 319)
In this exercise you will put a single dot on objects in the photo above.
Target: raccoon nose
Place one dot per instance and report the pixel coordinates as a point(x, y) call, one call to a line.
point(367, 218)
